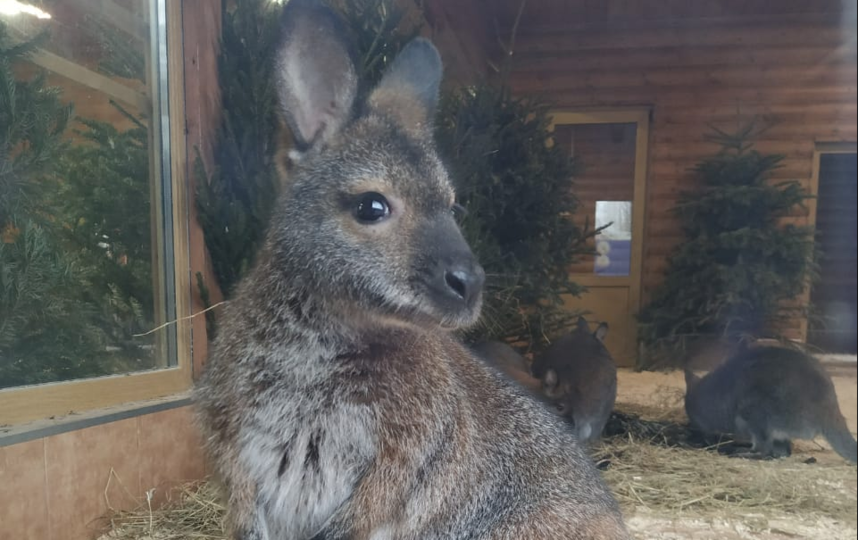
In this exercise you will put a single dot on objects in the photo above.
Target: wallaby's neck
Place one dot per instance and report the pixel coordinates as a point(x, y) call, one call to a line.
point(302, 318)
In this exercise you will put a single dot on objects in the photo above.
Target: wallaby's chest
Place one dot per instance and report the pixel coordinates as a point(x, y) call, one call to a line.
point(306, 455)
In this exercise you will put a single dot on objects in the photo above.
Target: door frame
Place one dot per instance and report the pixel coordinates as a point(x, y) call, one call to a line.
point(821, 147)
point(641, 118)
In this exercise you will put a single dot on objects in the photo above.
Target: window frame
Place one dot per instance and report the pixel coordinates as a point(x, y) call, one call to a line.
point(31, 403)
point(820, 148)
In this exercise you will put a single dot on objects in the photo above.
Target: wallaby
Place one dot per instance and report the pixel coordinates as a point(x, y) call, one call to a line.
point(769, 396)
point(578, 373)
point(506, 360)
point(337, 403)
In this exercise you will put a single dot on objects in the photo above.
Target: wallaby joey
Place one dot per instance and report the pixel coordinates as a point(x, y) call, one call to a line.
point(768, 395)
point(504, 358)
point(336, 403)
point(578, 373)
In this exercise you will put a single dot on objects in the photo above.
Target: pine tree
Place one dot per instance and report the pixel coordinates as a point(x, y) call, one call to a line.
point(378, 32)
point(234, 201)
point(104, 204)
point(75, 248)
point(741, 267)
point(517, 190)
point(46, 332)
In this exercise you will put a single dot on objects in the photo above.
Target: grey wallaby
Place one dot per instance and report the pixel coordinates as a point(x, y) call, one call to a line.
point(769, 396)
point(578, 373)
point(336, 403)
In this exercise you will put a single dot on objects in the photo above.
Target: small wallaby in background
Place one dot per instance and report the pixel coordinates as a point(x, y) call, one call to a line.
point(578, 373)
point(336, 403)
point(768, 395)
point(506, 360)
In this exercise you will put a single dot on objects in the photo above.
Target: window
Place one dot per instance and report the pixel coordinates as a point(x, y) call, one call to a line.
point(834, 213)
point(91, 226)
point(614, 240)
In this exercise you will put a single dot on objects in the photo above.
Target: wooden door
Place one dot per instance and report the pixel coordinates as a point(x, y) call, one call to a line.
point(610, 149)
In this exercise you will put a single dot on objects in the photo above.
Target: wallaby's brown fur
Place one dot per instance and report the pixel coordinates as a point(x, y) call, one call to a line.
point(336, 405)
point(504, 358)
point(579, 375)
point(768, 395)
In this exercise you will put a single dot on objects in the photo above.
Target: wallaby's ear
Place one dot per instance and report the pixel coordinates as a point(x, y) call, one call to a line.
point(601, 331)
point(582, 325)
point(316, 77)
point(409, 88)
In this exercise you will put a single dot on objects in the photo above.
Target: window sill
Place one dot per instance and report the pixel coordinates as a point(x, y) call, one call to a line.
point(10, 435)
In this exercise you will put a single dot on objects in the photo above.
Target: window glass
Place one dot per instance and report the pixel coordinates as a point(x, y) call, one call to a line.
point(605, 157)
point(85, 227)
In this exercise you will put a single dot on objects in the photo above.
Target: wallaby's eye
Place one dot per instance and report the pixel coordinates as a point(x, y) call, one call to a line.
point(458, 211)
point(372, 207)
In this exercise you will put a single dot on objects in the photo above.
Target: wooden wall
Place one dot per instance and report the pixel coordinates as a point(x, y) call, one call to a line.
point(62, 487)
point(201, 27)
point(796, 73)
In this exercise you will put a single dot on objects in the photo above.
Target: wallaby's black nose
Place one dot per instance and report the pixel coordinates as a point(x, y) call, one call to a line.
point(465, 283)
point(456, 281)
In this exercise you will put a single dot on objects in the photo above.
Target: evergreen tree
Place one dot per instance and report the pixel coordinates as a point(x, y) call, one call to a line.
point(33, 121)
point(741, 267)
point(46, 332)
point(75, 248)
point(378, 32)
point(234, 201)
point(517, 190)
point(105, 205)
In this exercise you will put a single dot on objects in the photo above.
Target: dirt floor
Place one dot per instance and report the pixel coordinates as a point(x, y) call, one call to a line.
point(659, 396)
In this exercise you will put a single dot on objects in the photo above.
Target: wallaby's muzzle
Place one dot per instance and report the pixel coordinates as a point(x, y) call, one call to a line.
point(452, 276)
point(459, 279)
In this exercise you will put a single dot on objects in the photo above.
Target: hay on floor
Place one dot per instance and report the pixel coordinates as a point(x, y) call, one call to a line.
point(196, 512)
point(673, 481)
point(656, 468)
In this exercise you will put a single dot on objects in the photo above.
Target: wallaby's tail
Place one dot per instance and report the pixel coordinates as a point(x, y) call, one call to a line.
point(837, 433)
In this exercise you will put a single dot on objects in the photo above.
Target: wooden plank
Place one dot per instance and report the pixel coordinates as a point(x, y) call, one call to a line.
point(673, 176)
point(21, 405)
point(727, 77)
point(117, 16)
point(87, 77)
point(685, 113)
point(678, 14)
point(684, 57)
point(811, 34)
point(184, 281)
point(201, 20)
